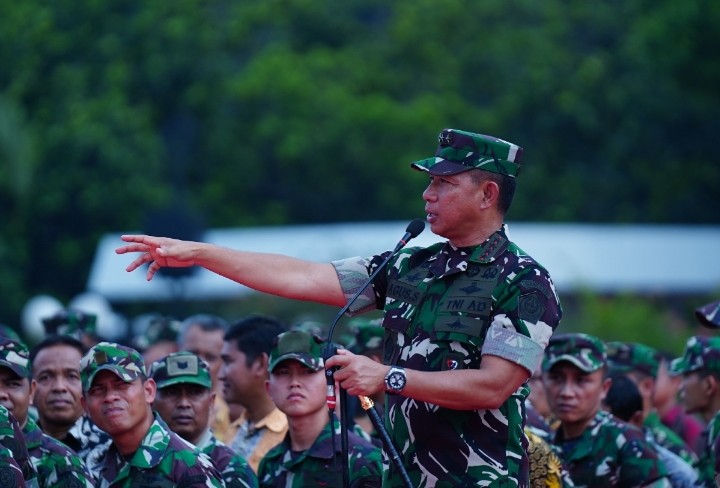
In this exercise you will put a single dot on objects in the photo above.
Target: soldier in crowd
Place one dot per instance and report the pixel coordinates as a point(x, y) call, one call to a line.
point(203, 334)
point(57, 397)
point(700, 394)
point(596, 448)
point(625, 402)
point(75, 323)
point(16, 468)
point(369, 342)
point(640, 363)
point(184, 401)
point(57, 465)
point(307, 455)
point(118, 396)
point(666, 401)
point(158, 339)
point(244, 372)
point(539, 417)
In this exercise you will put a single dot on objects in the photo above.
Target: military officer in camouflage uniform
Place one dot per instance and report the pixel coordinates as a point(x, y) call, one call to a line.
point(700, 394)
point(466, 320)
point(596, 448)
point(184, 400)
point(73, 323)
point(57, 465)
point(118, 397)
point(55, 368)
point(16, 468)
point(306, 457)
point(640, 363)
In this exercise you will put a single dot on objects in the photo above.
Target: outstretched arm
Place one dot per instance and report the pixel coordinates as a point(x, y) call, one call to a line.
point(269, 273)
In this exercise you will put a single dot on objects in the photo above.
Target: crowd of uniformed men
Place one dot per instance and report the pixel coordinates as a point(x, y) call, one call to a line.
point(204, 403)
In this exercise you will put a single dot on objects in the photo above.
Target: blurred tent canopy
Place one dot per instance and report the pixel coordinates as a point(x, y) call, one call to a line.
point(641, 259)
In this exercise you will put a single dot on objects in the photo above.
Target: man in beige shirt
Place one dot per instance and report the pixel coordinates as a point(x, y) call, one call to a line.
point(243, 375)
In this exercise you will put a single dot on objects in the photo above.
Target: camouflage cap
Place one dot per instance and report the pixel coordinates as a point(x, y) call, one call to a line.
point(368, 336)
point(583, 350)
point(180, 367)
point(158, 329)
point(709, 315)
point(124, 361)
point(460, 151)
point(624, 357)
point(70, 322)
point(16, 356)
point(701, 353)
point(9, 332)
point(300, 346)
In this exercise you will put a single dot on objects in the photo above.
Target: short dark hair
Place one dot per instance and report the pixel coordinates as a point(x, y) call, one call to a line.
point(623, 399)
point(207, 323)
point(255, 335)
point(505, 183)
point(56, 340)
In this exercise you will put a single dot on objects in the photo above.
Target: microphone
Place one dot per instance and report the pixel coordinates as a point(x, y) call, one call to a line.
point(413, 230)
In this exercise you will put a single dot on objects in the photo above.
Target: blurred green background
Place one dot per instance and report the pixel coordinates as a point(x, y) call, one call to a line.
point(270, 112)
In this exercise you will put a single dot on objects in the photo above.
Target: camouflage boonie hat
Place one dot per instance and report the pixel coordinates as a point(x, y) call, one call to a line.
point(180, 367)
point(583, 350)
point(460, 151)
point(124, 361)
point(300, 346)
point(70, 322)
point(16, 356)
point(709, 315)
point(701, 353)
point(624, 357)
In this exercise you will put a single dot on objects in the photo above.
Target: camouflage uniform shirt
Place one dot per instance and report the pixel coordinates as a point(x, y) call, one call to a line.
point(611, 453)
point(709, 463)
point(235, 470)
point(664, 436)
point(90, 442)
point(57, 465)
point(163, 460)
point(446, 307)
point(316, 466)
point(14, 453)
point(16, 468)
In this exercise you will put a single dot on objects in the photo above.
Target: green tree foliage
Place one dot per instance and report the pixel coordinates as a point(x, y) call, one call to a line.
point(275, 112)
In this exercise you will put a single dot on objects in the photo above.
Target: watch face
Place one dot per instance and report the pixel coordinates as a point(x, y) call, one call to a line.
point(396, 380)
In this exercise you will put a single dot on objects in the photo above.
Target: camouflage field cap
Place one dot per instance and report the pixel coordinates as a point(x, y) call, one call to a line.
point(583, 350)
point(300, 346)
point(124, 361)
point(180, 367)
point(16, 356)
point(709, 315)
point(159, 329)
point(624, 357)
point(460, 151)
point(7, 331)
point(70, 322)
point(701, 353)
point(368, 336)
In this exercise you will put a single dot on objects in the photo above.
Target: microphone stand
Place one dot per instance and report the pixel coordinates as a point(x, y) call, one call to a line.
point(413, 230)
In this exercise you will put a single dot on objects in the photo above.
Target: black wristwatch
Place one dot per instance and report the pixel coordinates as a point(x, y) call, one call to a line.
point(395, 380)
